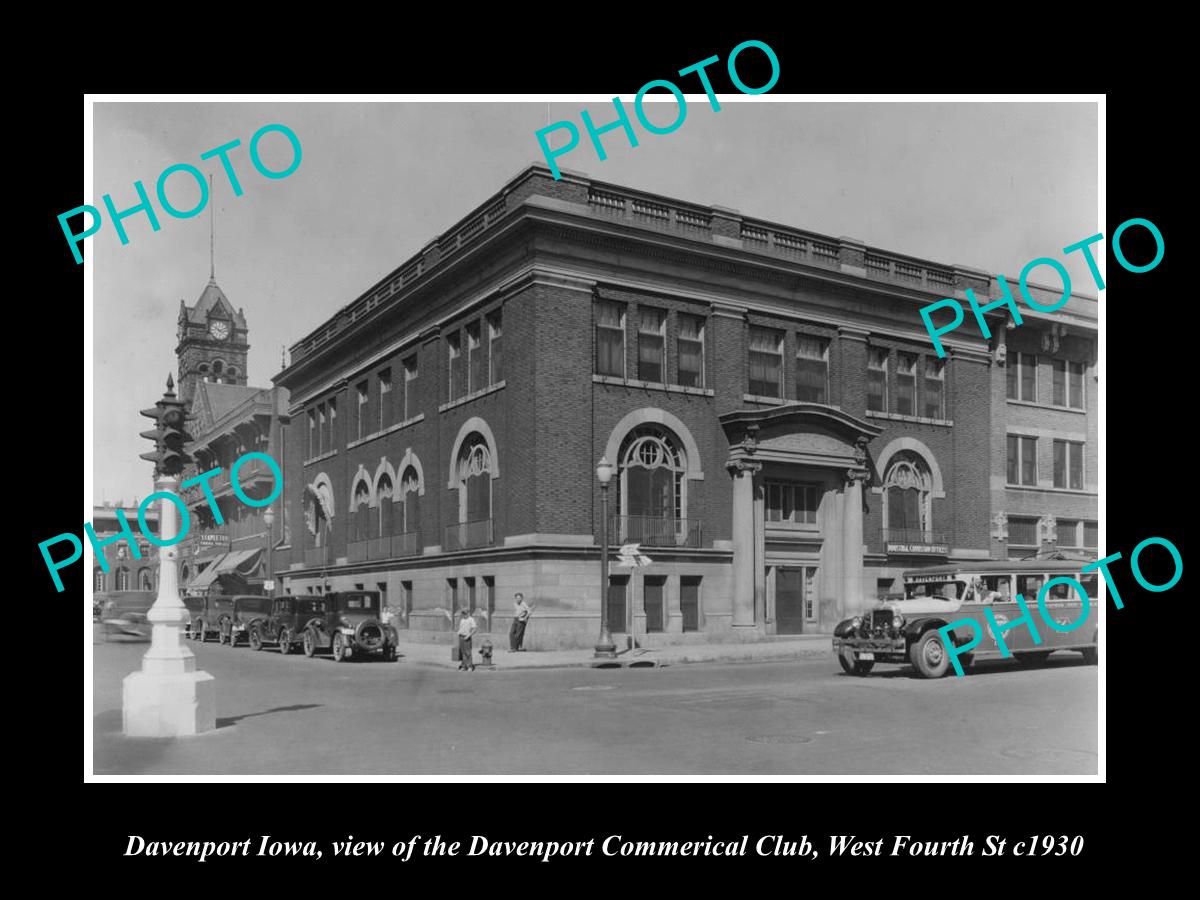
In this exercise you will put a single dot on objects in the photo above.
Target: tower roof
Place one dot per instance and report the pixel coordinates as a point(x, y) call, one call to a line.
point(213, 298)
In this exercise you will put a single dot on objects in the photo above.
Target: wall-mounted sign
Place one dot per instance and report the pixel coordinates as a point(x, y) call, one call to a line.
point(929, 549)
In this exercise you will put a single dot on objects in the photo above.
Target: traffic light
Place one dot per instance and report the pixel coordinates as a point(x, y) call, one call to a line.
point(169, 436)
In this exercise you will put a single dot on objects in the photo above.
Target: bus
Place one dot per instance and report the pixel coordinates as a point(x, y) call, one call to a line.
point(904, 629)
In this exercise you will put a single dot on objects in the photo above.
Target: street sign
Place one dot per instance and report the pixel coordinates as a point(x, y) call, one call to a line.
point(269, 584)
point(628, 550)
point(637, 561)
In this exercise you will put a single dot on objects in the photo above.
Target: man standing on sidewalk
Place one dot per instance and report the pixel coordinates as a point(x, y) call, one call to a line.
point(466, 631)
point(516, 634)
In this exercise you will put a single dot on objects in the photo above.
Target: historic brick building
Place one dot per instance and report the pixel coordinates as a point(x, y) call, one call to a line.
point(786, 441)
point(125, 573)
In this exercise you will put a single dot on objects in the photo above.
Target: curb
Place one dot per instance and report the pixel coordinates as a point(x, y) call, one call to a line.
point(640, 662)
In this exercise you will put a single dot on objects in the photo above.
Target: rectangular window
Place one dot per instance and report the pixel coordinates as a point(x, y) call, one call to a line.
point(1022, 531)
point(1059, 384)
point(1091, 535)
point(489, 597)
point(610, 338)
point(1022, 460)
point(1068, 533)
point(812, 369)
point(792, 503)
point(906, 384)
point(452, 594)
point(689, 602)
point(321, 445)
point(454, 350)
point(362, 409)
point(406, 598)
point(1022, 377)
point(385, 398)
point(474, 359)
point(691, 351)
point(470, 585)
point(1075, 385)
point(1068, 465)
point(652, 344)
point(410, 397)
point(495, 350)
point(766, 362)
point(810, 594)
point(877, 360)
point(654, 601)
point(933, 394)
point(312, 433)
point(332, 422)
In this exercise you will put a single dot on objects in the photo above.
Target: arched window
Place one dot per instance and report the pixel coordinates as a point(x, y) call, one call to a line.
point(184, 573)
point(218, 367)
point(410, 501)
point(383, 492)
point(907, 489)
point(231, 372)
point(203, 368)
point(475, 480)
point(362, 516)
point(97, 579)
point(146, 581)
point(122, 579)
point(652, 467)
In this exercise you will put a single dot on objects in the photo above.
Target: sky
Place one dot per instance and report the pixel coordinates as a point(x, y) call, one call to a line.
point(988, 185)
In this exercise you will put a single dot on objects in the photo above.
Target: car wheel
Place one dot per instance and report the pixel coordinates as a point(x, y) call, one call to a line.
point(852, 666)
point(928, 655)
point(285, 643)
point(255, 639)
point(339, 648)
point(1032, 659)
point(310, 644)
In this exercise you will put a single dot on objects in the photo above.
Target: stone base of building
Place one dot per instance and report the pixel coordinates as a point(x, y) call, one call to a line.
point(168, 705)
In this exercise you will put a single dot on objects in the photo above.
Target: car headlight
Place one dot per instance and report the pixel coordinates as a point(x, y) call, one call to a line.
point(898, 621)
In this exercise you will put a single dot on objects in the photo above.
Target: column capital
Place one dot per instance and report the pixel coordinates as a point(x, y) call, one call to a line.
point(742, 466)
point(857, 475)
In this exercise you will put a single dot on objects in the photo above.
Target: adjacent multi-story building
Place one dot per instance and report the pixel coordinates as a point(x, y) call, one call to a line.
point(785, 441)
point(125, 572)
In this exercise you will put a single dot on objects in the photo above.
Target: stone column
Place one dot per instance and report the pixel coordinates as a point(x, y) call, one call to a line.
point(745, 552)
point(852, 543)
point(168, 697)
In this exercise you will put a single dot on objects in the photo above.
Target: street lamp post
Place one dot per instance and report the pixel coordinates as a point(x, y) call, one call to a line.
point(269, 520)
point(605, 649)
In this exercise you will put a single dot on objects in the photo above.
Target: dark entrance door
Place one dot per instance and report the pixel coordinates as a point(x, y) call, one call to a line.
point(616, 603)
point(789, 601)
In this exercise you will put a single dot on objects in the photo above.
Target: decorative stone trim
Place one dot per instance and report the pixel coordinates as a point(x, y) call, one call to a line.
point(652, 385)
point(757, 398)
point(328, 454)
point(474, 395)
point(358, 442)
point(900, 417)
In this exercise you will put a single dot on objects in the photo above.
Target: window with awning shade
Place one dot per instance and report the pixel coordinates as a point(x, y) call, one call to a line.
point(766, 362)
point(610, 338)
point(812, 369)
point(690, 344)
point(652, 345)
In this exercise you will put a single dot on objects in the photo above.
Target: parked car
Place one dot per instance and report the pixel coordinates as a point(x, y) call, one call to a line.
point(286, 624)
point(247, 612)
point(210, 612)
point(124, 612)
point(351, 625)
point(906, 630)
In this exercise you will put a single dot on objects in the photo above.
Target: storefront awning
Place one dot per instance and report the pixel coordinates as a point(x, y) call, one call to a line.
point(208, 576)
point(242, 561)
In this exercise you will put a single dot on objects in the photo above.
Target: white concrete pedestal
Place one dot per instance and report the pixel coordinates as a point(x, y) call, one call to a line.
point(168, 697)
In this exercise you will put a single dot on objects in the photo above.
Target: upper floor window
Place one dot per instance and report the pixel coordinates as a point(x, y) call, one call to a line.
point(691, 351)
point(906, 384)
point(362, 409)
point(792, 503)
point(454, 350)
point(812, 369)
point(907, 497)
point(1068, 383)
point(383, 496)
point(1068, 465)
point(495, 349)
point(410, 513)
point(652, 466)
point(877, 361)
point(321, 428)
point(385, 398)
point(410, 375)
point(652, 345)
point(766, 362)
point(332, 407)
point(610, 338)
point(312, 433)
point(475, 480)
point(1022, 460)
point(933, 393)
point(474, 359)
point(1022, 377)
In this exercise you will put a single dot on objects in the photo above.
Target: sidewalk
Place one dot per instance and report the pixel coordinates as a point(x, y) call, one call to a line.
point(802, 647)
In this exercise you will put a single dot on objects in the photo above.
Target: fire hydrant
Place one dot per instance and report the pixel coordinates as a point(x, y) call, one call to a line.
point(485, 653)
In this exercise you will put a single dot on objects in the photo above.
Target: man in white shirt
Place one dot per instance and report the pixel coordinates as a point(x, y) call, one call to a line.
point(466, 631)
point(516, 634)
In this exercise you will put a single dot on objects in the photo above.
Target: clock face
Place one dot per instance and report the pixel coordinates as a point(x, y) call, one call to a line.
point(219, 329)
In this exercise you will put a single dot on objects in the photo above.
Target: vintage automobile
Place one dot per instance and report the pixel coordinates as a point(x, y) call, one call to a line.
point(124, 612)
point(209, 614)
point(285, 626)
point(248, 610)
point(351, 625)
point(905, 630)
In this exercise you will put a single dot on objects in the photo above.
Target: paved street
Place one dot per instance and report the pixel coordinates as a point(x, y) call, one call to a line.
point(293, 715)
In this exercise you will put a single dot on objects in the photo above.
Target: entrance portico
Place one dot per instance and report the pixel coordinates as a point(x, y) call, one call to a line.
point(798, 474)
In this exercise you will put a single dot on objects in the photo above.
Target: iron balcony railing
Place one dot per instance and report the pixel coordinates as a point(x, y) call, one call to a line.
point(469, 534)
point(654, 531)
point(386, 547)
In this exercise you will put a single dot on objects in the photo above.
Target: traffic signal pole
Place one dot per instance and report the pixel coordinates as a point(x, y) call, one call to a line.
point(168, 697)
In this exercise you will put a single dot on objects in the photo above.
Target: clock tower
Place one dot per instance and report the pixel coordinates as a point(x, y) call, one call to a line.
point(213, 342)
